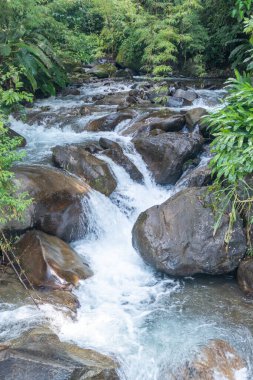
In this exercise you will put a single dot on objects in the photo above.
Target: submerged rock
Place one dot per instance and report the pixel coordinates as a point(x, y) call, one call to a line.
point(178, 238)
point(166, 154)
point(217, 360)
point(50, 262)
point(56, 202)
point(40, 355)
point(115, 152)
point(76, 159)
point(245, 276)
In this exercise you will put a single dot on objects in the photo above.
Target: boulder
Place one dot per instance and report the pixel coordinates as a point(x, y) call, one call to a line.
point(40, 355)
point(198, 177)
point(189, 96)
point(48, 261)
point(76, 159)
point(245, 276)
point(217, 360)
point(174, 102)
point(107, 123)
point(13, 292)
point(166, 154)
point(177, 237)
point(115, 152)
point(193, 117)
point(143, 128)
point(56, 202)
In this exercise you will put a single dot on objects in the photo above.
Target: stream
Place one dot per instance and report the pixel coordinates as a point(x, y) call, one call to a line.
point(151, 323)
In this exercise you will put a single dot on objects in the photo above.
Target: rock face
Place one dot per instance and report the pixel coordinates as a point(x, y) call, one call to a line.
point(76, 159)
point(218, 360)
point(107, 123)
point(115, 152)
point(40, 355)
point(49, 262)
point(177, 237)
point(245, 276)
point(165, 154)
point(57, 202)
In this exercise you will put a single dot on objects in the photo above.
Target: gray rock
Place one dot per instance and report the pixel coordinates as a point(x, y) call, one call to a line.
point(166, 154)
point(198, 177)
point(178, 238)
point(188, 95)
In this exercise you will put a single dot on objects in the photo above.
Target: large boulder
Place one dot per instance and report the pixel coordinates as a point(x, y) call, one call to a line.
point(178, 238)
point(189, 95)
point(245, 276)
point(107, 123)
point(40, 355)
point(49, 262)
point(13, 134)
point(115, 152)
point(76, 159)
point(166, 154)
point(216, 360)
point(57, 199)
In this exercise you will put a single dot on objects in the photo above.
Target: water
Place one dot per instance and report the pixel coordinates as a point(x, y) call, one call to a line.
point(150, 322)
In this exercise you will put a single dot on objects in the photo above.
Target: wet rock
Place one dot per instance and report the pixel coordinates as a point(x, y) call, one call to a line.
point(194, 116)
point(217, 360)
point(166, 154)
point(198, 177)
point(178, 238)
point(174, 102)
point(115, 152)
point(77, 160)
point(113, 100)
point(189, 96)
point(57, 202)
point(49, 262)
point(245, 276)
point(173, 123)
point(107, 123)
point(12, 292)
point(40, 355)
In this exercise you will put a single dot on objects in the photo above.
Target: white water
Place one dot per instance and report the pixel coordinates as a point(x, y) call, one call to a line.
point(126, 310)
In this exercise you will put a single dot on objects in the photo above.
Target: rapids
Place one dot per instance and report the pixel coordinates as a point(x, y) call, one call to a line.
point(149, 322)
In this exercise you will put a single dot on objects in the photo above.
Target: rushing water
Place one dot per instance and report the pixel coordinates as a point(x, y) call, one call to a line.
point(150, 322)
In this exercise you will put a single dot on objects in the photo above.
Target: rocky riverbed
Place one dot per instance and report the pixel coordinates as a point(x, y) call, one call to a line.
point(117, 247)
